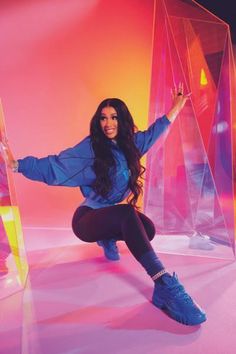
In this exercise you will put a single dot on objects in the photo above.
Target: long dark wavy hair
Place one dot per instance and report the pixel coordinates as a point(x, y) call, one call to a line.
point(104, 160)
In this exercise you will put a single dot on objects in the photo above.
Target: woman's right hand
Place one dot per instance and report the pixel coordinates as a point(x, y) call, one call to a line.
point(7, 154)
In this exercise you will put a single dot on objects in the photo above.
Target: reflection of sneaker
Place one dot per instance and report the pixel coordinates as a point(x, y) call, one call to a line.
point(170, 296)
point(110, 249)
point(201, 242)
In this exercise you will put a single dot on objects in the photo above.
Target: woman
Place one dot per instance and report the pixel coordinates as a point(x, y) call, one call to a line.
point(106, 166)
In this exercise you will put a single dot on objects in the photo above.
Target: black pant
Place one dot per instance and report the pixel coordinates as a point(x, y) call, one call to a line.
point(121, 222)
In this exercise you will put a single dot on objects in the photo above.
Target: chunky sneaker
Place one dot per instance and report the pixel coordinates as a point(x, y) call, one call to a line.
point(110, 249)
point(201, 242)
point(170, 296)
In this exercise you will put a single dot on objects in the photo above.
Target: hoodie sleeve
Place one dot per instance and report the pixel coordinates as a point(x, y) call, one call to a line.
point(144, 140)
point(71, 167)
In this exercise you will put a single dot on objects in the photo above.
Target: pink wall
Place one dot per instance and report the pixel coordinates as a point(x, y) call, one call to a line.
point(59, 59)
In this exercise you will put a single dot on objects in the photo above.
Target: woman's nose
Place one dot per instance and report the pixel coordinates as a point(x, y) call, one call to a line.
point(109, 122)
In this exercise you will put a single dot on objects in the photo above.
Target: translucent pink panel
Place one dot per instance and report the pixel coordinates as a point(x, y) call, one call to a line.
point(13, 263)
point(4, 190)
point(7, 189)
point(189, 188)
point(189, 9)
point(232, 76)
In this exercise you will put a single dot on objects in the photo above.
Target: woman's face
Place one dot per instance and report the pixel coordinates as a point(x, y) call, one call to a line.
point(109, 122)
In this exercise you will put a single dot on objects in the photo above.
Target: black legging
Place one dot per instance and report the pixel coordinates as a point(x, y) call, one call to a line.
point(121, 222)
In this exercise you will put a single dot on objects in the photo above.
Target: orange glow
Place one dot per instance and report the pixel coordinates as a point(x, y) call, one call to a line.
point(54, 73)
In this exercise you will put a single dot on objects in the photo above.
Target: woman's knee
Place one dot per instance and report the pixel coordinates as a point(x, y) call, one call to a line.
point(80, 234)
point(151, 231)
point(148, 225)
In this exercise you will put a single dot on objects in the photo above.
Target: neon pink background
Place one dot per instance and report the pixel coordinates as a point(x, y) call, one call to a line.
point(58, 61)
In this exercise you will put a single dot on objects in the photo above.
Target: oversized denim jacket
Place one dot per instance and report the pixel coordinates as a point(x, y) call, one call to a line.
point(73, 167)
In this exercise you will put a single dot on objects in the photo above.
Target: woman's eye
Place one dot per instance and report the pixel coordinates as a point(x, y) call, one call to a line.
point(114, 117)
point(102, 118)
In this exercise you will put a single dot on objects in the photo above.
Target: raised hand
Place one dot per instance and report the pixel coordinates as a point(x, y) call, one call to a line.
point(7, 154)
point(179, 100)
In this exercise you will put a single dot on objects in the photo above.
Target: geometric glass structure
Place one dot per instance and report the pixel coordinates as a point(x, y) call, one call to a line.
point(190, 180)
point(13, 262)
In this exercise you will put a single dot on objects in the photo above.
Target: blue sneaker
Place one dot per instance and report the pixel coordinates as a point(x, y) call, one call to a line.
point(170, 296)
point(110, 249)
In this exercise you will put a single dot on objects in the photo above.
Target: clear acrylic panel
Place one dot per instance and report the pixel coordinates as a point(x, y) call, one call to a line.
point(13, 262)
point(190, 178)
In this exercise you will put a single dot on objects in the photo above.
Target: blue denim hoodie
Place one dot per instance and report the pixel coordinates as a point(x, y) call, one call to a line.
point(74, 167)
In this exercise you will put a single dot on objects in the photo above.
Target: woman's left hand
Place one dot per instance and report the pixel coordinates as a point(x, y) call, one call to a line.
point(179, 100)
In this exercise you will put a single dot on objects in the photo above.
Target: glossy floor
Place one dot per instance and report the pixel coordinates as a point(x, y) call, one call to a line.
point(77, 302)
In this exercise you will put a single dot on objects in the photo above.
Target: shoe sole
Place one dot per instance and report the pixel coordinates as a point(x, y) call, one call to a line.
point(176, 315)
point(112, 259)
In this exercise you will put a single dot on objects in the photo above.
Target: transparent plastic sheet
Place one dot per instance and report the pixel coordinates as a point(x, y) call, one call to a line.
point(13, 262)
point(190, 178)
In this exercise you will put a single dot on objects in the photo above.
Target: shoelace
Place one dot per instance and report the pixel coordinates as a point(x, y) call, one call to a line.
point(178, 290)
point(112, 244)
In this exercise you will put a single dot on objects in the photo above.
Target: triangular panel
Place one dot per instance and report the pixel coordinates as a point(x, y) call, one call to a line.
point(186, 189)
